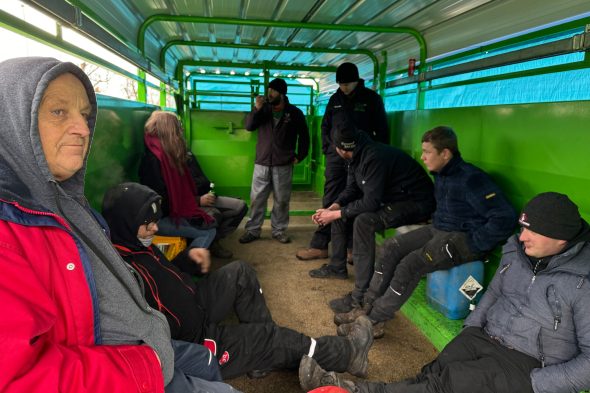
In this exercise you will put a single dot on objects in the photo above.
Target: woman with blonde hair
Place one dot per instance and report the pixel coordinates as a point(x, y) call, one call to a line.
point(189, 209)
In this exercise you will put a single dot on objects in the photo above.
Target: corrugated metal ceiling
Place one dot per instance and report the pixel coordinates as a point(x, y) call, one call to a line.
point(447, 26)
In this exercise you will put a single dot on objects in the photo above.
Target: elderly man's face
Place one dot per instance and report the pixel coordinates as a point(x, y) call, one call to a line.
point(63, 125)
point(539, 246)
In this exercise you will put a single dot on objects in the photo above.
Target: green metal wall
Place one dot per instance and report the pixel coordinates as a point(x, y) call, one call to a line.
point(226, 152)
point(117, 145)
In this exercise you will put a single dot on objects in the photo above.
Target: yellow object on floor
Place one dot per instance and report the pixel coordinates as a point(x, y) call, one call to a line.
point(171, 246)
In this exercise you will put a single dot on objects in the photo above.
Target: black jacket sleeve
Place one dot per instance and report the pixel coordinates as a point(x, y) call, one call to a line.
point(256, 117)
point(371, 192)
point(150, 174)
point(303, 138)
point(327, 126)
point(381, 131)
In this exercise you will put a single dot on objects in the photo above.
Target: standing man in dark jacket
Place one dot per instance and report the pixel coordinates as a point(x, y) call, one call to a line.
point(281, 127)
point(195, 310)
point(531, 329)
point(472, 217)
point(385, 188)
point(355, 104)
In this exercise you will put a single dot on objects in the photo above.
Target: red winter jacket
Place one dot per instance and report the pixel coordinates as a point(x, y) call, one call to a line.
point(48, 336)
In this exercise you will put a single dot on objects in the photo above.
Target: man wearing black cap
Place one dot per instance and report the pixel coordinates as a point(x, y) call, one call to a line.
point(355, 104)
point(385, 188)
point(531, 329)
point(281, 128)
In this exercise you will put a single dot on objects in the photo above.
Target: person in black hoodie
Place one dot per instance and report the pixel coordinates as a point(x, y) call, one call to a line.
point(352, 103)
point(195, 310)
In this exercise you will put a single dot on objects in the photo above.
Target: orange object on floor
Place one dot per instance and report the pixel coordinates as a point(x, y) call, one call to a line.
point(171, 246)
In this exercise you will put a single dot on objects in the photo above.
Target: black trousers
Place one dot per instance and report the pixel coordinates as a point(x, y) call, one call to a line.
point(364, 227)
point(472, 362)
point(404, 259)
point(256, 342)
point(335, 182)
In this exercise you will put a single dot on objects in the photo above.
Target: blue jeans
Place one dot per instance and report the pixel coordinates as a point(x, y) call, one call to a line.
point(196, 370)
point(202, 238)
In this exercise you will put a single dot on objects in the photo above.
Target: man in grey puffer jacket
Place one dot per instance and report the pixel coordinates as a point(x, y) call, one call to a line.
point(531, 329)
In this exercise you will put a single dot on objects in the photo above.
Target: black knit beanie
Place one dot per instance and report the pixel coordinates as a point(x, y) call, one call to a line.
point(346, 137)
point(278, 85)
point(553, 215)
point(347, 72)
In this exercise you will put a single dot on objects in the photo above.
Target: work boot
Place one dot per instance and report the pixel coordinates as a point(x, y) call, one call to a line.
point(361, 339)
point(248, 237)
point(342, 304)
point(309, 254)
point(327, 271)
point(282, 238)
point(312, 376)
point(217, 250)
point(378, 329)
point(352, 315)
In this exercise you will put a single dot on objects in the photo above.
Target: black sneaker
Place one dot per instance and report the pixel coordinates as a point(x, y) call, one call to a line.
point(248, 238)
point(327, 271)
point(361, 339)
point(341, 304)
point(312, 376)
point(282, 238)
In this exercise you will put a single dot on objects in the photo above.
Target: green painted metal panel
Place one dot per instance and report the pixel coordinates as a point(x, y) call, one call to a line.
point(117, 146)
point(226, 152)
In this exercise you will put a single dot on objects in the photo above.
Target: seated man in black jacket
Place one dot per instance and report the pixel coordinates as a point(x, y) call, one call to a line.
point(385, 188)
point(194, 311)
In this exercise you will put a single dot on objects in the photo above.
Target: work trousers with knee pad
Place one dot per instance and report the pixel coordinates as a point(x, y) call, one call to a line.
point(256, 342)
point(471, 362)
point(266, 346)
point(406, 258)
point(363, 237)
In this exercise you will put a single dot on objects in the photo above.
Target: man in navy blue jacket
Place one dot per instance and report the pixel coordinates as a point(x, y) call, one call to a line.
point(472, 216)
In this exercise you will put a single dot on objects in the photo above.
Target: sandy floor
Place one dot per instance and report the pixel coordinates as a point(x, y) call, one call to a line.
point(300, 302)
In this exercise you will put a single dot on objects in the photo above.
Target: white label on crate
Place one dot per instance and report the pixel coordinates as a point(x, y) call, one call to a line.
point(470, 288)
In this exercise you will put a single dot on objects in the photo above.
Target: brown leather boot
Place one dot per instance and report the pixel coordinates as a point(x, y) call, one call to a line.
point(309, 254)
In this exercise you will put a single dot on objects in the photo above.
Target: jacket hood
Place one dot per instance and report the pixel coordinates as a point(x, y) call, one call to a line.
point(126, 207)
point(23, 82)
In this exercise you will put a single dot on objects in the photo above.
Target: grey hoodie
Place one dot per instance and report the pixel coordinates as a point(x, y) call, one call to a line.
point(124, 316)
